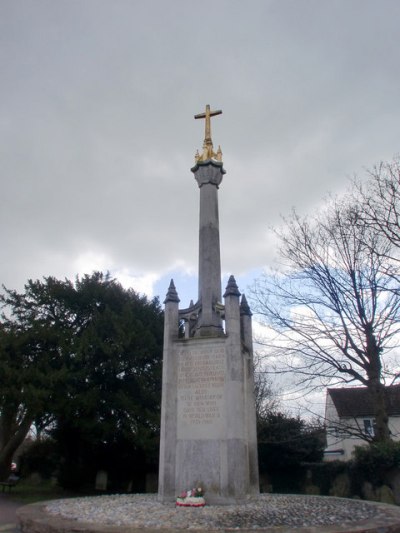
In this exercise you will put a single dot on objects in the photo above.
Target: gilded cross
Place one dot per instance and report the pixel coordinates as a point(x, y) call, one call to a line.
point(207, 115)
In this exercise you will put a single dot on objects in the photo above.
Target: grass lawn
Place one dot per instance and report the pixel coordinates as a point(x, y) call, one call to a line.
point(27, 491)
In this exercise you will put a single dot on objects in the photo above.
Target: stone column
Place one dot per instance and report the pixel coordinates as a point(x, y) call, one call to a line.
point(209, 175)
point(235, 423)
point(168, 433)
point(247, 340)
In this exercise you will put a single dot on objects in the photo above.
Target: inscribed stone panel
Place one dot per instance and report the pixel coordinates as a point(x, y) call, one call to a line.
point(201, 379)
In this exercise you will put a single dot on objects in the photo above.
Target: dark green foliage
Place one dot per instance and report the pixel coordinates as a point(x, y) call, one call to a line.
point(100, 347)
point(40, 457)
point(372, 463)
point(31, 369)
point(284, 443)
point(324, 474)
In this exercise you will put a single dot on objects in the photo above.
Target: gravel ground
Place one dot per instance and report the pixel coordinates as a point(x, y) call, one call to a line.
point(143, 510)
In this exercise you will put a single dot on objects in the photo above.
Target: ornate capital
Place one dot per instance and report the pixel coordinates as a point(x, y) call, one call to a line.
point(209, 171)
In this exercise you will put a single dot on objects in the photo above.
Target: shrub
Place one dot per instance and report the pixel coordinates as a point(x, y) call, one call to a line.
point(371, 463)
point(323, 475)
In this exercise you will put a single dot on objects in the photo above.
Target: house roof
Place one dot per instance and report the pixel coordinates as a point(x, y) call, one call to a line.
point(351, 402)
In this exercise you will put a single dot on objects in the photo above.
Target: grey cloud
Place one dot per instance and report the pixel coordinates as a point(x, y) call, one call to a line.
point(97, 132)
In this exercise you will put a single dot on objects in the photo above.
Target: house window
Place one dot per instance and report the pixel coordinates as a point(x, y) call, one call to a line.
point(369, 426)
point(339, 432)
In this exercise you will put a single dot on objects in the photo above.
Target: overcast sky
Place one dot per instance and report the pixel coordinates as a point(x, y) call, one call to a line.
point(97, 99)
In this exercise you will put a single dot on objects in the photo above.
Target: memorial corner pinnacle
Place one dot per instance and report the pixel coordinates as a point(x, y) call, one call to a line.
point(231, 288)
point(172, 295)
point(244, 307)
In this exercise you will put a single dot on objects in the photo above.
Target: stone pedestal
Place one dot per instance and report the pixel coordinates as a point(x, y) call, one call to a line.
point(208, 429)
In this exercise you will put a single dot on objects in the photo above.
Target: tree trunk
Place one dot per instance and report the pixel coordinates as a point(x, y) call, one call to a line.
point(377, 390)
point(5, 465)
point(11, 442)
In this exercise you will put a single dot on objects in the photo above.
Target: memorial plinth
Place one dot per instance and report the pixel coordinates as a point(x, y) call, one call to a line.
point(208, 421)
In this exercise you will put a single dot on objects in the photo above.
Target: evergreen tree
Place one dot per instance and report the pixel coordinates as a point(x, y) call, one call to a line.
point(102, 346)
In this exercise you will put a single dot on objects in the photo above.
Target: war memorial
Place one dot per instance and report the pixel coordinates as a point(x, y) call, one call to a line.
point(208, 421)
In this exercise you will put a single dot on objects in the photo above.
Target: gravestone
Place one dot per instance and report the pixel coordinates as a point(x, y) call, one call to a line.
point(101, 480)
point(208, 420)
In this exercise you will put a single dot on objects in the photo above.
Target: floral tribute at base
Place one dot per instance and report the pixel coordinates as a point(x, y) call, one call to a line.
point(191, 498)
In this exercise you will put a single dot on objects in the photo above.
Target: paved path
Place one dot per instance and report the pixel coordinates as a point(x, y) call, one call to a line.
point(8, 519)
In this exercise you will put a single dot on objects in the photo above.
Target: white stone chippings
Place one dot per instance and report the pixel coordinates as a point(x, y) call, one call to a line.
point(145, 511)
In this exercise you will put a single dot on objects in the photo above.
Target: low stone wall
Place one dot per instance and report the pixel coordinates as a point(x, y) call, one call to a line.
point(334, 479)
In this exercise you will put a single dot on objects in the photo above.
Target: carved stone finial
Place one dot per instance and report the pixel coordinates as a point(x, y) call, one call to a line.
point(208, 152)
point(231, 288)
point(172, 295)
point(244, 307)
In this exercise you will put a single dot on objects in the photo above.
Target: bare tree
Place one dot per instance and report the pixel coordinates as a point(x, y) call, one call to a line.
point(331, 311)
point(266, 395)
point(380, 197)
